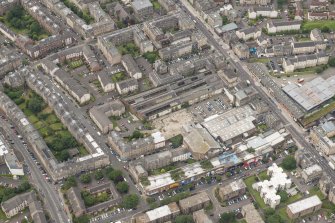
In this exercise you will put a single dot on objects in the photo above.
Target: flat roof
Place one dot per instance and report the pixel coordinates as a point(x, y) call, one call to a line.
point(159, 181)
point(313, 93)
point(304, 204)
point(158, 212)
point(230, 124)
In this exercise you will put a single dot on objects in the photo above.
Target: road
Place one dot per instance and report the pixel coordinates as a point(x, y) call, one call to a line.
point(297, 132)
point(101, 140)
point(45, 189)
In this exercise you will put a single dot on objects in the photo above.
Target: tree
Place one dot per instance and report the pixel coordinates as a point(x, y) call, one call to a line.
point(331, 62)
point(250, 150)
point(24, 186)
point(108, 170)
point(130, 201)
point(176, 141)
point(69, 182)
point(64, 155)
point(150, 56)
point(325, 29)
point(184, 219)
point(136, 135)
point(35, 104)
point(318, 70)
point(227, 218)
point(289, 163)
point(268, 212)
point(225, 20)
point(115, 176)
point(81, 219)
point(122, 187)
point(88, 198)
point(283, 196)
point(98, 175)
point(85, 178)
point(275, 218)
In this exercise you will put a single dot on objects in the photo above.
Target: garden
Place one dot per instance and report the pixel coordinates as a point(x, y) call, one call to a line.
point(129, 201)
point(21, 22)
point(119, 76)
point(7, 193)
point(55, 134)
point(129, 48)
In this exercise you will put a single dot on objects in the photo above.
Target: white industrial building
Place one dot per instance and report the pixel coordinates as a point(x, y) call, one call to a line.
point(262, 144)
point(233, 124)
point(312, 93)
point(8, 156)
point(304, 207)
point(161, 214)
point(268, 188)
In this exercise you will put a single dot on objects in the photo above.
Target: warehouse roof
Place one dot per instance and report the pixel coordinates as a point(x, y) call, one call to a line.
point(313, 93)
point(304, 204)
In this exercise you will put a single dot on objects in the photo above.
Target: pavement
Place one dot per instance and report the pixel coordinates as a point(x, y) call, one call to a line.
point(297, 132)
point(45, 189)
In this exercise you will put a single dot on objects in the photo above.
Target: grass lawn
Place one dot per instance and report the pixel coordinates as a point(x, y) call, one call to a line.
point(39, 125)
point(308, 26)
point(259, 60)
point(282, 213)
point(156, 5)
point(117, 77)
point(3, 216)
point(57, 126)
point(292, 199)
point(303, 39)
point(33, 119)
point(326, 204)
point(316, 191)
point(308, 70)
point(318, 114)
point(47, 110)
point(44, 131)
point(48, 125)
point(75, 64)
point(82, 151)
point(24, 24)
point(263, 176)
point(52, 118)
point(114, 120)
point(249, 182)
point(129, 48)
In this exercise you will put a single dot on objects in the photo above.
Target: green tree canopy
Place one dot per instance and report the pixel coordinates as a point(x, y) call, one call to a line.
point(70, 182)
point(115, 176)
point(184, 219)
point(227, 218)
point(85, 178)
point(122, 187)
point(98, 175)
point(82, 219)
point(130, 201)
point(35, 104)
point(289, 163)
point(331, 62)
point(283, 196)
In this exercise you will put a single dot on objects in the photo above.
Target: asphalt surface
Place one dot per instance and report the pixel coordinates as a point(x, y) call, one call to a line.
point(297, 134)
point(101, 140)
point(36, 178)
point(51, 198)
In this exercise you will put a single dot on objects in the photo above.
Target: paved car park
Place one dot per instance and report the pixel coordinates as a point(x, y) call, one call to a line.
point(215, 105)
